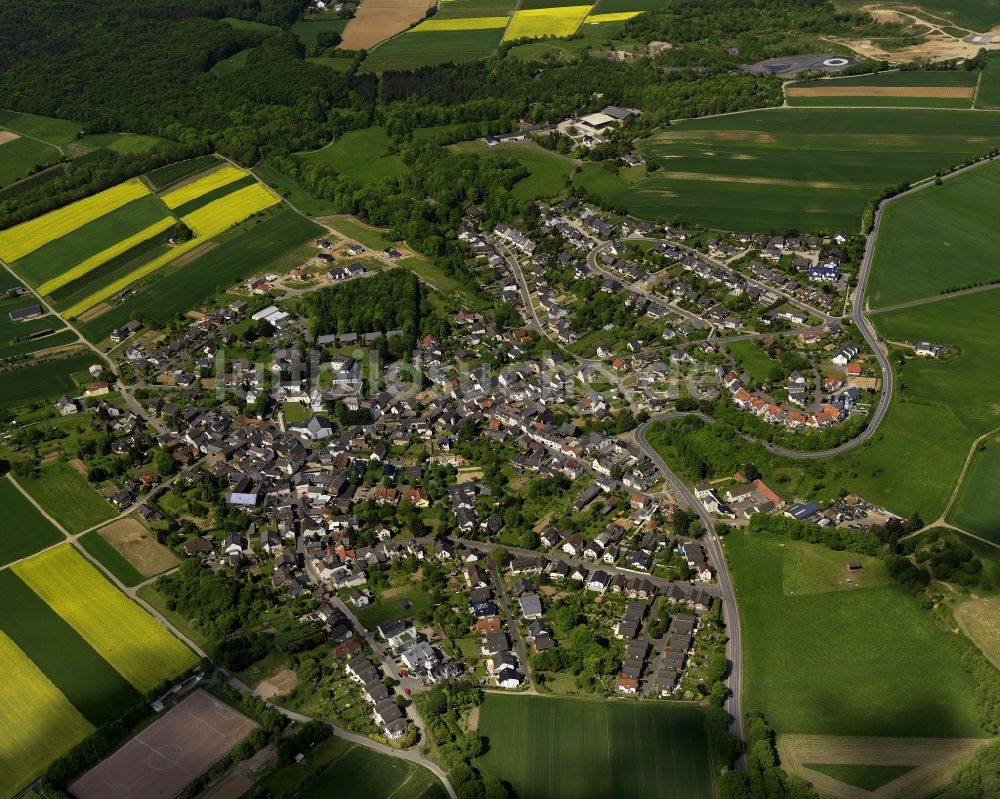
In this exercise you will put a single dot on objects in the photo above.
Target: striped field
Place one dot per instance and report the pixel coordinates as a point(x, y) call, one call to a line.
point(203, 185)
point(37, 723)
point(134, 643)
point(29, 236)
point(460, 24)
point(617, 16)
point(534, 23)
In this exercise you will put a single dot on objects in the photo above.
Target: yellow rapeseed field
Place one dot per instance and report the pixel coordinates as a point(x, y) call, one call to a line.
point(221, 214)
point(105, 255)
point(16, 242)
point(617, 16)
point(209, 220)
point(196, 188)
point(37, 723)
point(463, 24)
point(121, 632)
point(533, 23)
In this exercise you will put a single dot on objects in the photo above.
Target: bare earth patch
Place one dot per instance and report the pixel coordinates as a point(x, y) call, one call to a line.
point(377, 20)
point(139, 547)
point(93, 313)
point(979, 619)
point(7, 135)
point(78, 466)
point(933, 759)
point(281, 683)
point(881, 91)
point(474, 718)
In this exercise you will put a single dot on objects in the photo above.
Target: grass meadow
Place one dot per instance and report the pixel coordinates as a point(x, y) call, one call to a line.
point(41, 381)
point(360, 154)
point(37, 723)
point(943, 237)
point(548, 169)
point(831, 659)
point(309, 27)
point(988, 93)
point(976, 15)
point(22, 156)
point(752, 359)
point(75, 667)
point(133, 642)
point(977, 508)
point(67, 497)
point(562, 748)
point(55, 131)
point(810, 169)
point(292, 191)
point(25, 530)
point(866, 777)
point(414, 49)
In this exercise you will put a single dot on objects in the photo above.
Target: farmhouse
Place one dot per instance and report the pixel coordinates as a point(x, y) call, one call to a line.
point(28, 312)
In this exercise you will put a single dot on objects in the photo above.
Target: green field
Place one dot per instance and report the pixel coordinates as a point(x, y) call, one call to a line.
point(548, 169)
point(988, 93)
point(360, 154)
point(22, 156)
point(291, 190)
point(812, 646)
point(976, 508)
point(110, 558)
point(68, 498)
point(121, 143)
point(43, 380)
point(54, 131)
point(57, 339)
point(890, 79)
point(98, 691)
point(868, 778)
point(613, 6)
point(259, 245)
point(809, 169)
point(9, 329)
point(561, 748)
point(463, 9)
point(309, 27)
point(943, 237)
point(25, 530)
point(424, 48)
point(372, 238)
point(359, 773)
point(976, 15)
point(234, 63)
point(250, 25)
point(752, 359)
point(61, 255)
point(160, 178)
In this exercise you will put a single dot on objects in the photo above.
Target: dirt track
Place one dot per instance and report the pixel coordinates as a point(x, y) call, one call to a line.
point(934, 760)
point(881, 91)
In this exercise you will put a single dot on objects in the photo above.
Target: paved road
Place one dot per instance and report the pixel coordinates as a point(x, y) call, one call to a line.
point(734, 647)
point(522, 286)
point(503, 600)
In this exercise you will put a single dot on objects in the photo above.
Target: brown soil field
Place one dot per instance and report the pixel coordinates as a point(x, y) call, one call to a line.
point(93, 313)
point(377, 20)
point(139, 547)
point(474, 718)
point(979, 618)
point(78, 466)
point(881, 91)
point(281, 683)
point(7, 135)
point(934, 760)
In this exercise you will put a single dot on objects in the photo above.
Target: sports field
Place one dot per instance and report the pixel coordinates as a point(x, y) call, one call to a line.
point(943, 237)
point(561, 748)
point(359, 773)
point(134, 643)
point(812, 643)
point(25, 530)
point(37, 723)
point(810, 169)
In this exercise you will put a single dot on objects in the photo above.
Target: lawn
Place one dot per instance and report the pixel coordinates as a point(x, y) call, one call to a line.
point(22, 156)
point(810, 657)
point(68, 497)
point(79, 246)
point(810, 169)
point(548, 169)
point(977, 508)
point(415, 49)
point(360, 154)
point(561, 748)
point(25, 530)
point(943, 237)
point(261, 245)
point(90, 683)
point(133, 642)
point(749, 357)
point(110, 558)
point(37, 723)
point(385, 609)
point(42, 381)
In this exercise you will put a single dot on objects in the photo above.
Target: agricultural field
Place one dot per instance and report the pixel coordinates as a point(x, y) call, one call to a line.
point(360, 154)
point(534, 23)
point(358, 773)
point(310, 26)
point(40, 381)
point(131, 540)
point(976, 16)
point(976, 508)
point(58, 132)
point(938, 239)
point(37, 723)
point(548, 169)
point(256, 246)
point(888, 89)
point(168, 175)
point(131, 641)
point(561, 748)
point(21, 156)
point(812, 642)
point(377, 20)
point(67, 497)
point(988, 93)
point(415, 49)
point(25, 530)
point(110, 558)
point(119, 143)
point(809, 169)
point(292, 191)
point(11, 331)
